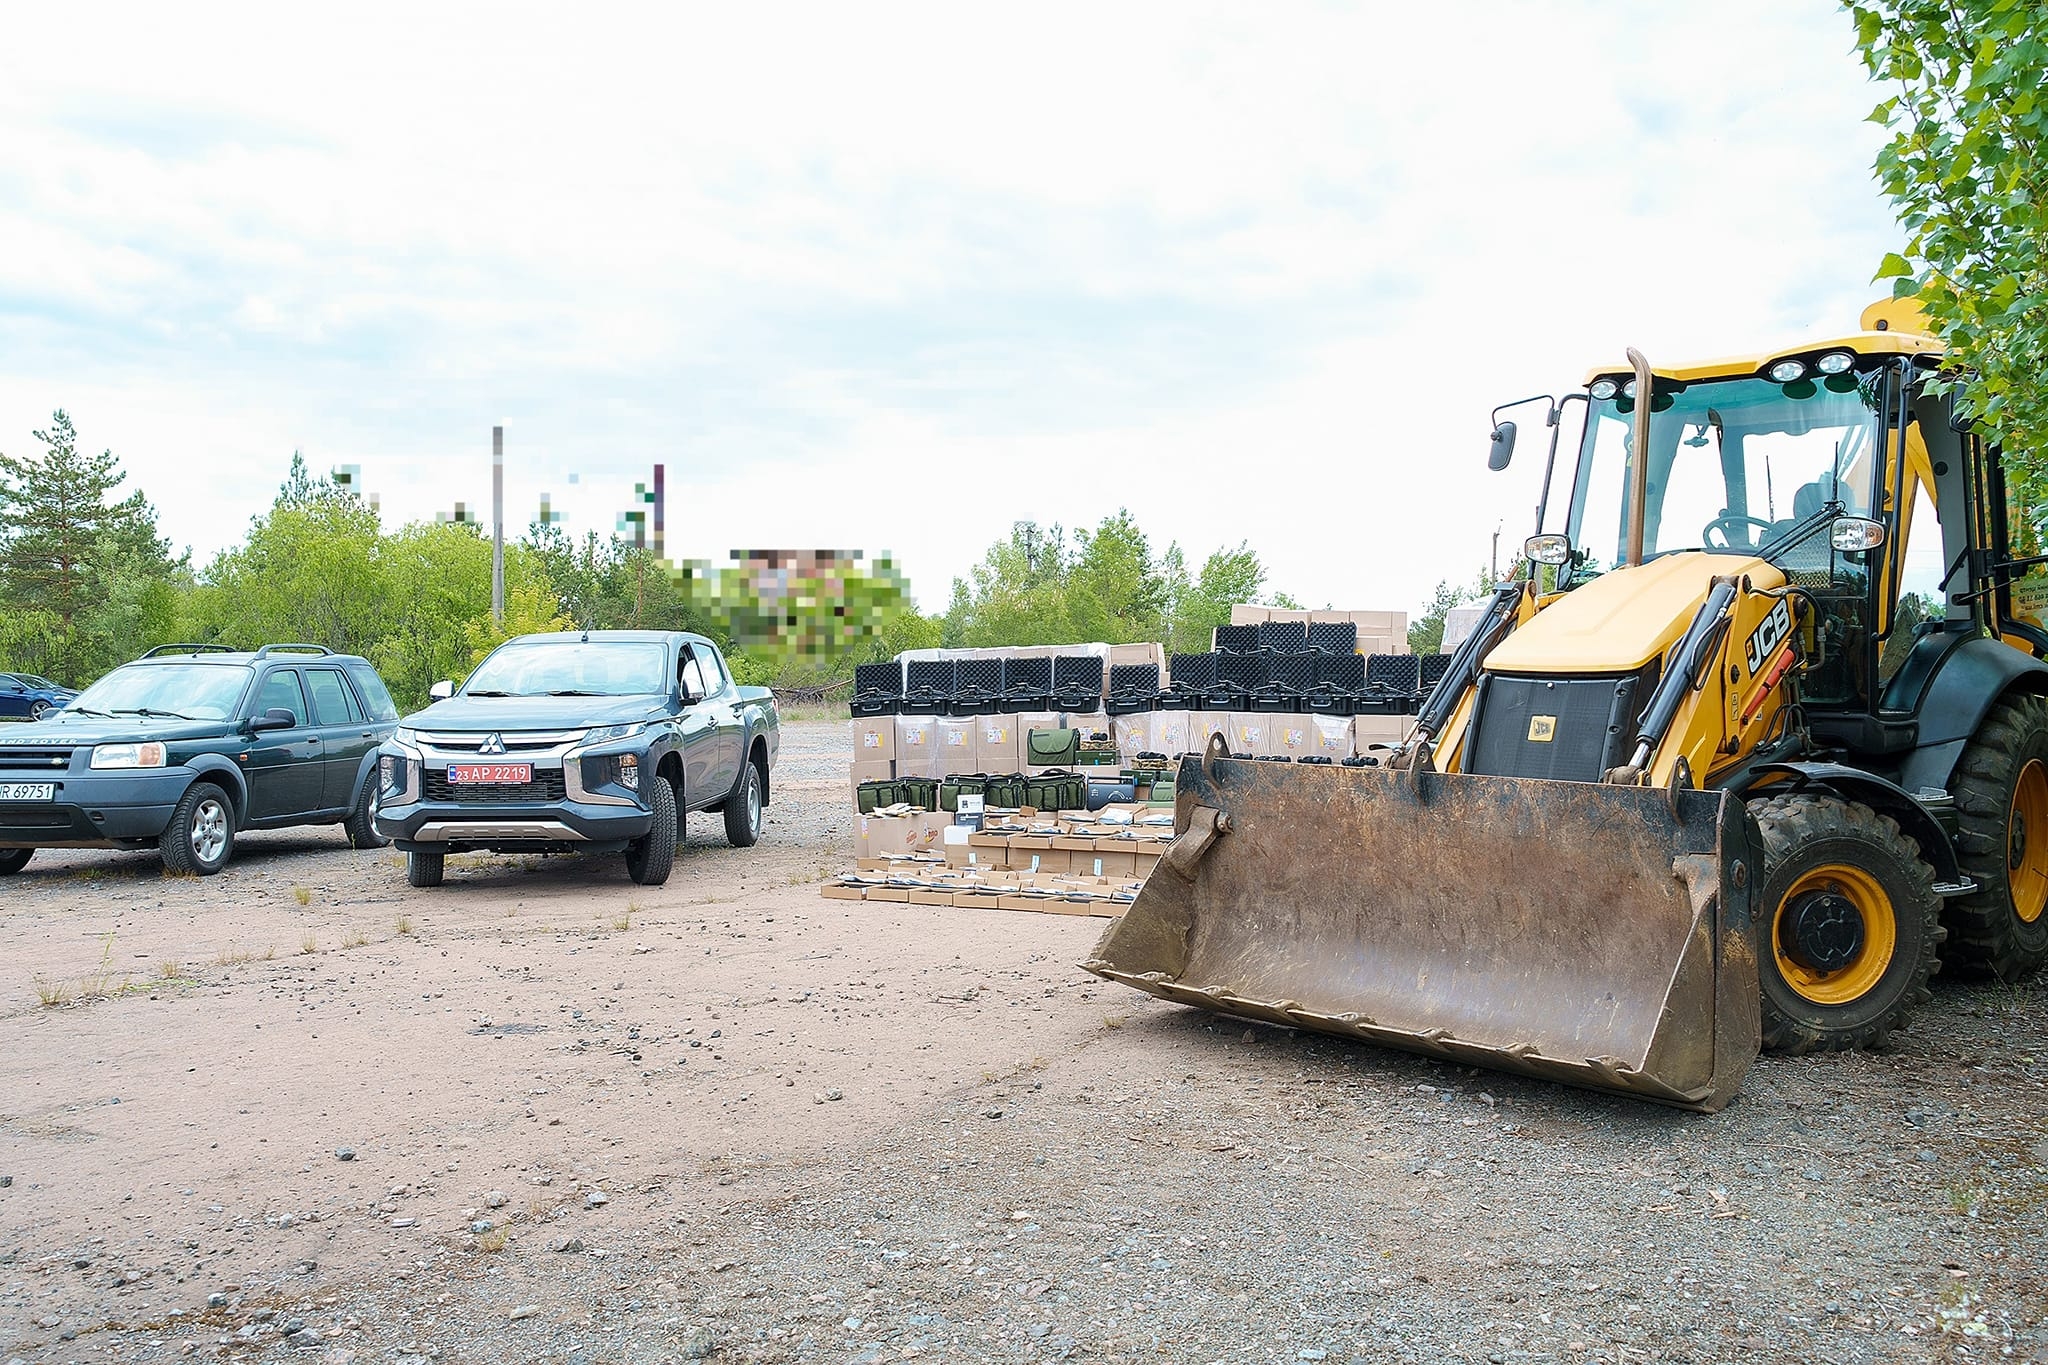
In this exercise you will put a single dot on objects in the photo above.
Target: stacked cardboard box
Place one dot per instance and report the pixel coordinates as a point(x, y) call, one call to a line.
point(1379, 632)
point(925, 884)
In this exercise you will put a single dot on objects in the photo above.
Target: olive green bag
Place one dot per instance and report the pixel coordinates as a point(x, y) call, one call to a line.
point(1052, 748)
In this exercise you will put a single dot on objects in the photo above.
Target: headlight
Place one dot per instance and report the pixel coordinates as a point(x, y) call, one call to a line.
point(390, 771)
point(1604, 389)
point(149, 755)
point(629, 771)
point(607, 733)
point(1834, 362)
point(404, 736)
point(1786, 371)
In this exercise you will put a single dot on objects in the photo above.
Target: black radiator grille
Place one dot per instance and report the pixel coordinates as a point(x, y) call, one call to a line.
point(547, 785)
point(1569, 729)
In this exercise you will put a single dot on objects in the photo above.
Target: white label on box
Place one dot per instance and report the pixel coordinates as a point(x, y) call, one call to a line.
point(996, 734)
point(910, 734)
point(970, 804)
point(870, 740)
point(957, 739)
point(1098, 867)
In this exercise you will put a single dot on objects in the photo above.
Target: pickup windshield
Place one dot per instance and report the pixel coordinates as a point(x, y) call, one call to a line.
point(193, 691)
point(1733, 465)
point(594, 668)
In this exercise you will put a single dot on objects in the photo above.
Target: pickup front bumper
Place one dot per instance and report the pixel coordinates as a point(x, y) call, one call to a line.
point(574, 803)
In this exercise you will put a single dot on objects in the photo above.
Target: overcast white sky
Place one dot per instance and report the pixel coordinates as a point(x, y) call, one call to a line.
point(892, 277)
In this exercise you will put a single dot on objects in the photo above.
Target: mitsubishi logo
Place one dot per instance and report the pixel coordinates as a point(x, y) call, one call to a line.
point(493, 744)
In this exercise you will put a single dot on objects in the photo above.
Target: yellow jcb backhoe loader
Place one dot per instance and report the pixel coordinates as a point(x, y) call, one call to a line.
point(1750, 741)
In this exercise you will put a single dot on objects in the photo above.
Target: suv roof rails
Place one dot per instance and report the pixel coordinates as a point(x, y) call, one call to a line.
point(269, 650)
point(155, 650)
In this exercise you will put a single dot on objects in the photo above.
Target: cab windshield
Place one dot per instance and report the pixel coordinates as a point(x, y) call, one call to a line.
point(1734, 465)
point(570, 668)
point(190, 691)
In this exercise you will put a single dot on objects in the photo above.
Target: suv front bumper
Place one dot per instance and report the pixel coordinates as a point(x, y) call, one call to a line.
point(96, 810)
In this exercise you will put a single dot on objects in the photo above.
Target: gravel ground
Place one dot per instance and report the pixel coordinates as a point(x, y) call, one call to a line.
point(728, 1119)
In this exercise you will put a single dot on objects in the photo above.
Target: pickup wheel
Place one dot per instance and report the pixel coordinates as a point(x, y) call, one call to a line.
point(743, 808)
point(425, 867)
point(13, 860)
point(649, 859)
point(360, 825)
point(201, 835)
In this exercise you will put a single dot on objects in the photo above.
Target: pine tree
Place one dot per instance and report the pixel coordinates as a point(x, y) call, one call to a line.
point(59, 531)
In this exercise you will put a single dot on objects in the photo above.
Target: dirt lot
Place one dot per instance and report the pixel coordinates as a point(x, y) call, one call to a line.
point(542, 1114)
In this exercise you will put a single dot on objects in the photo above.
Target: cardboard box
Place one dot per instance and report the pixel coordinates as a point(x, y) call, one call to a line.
point(1035, 853)
point(1248, 732)
point(1367, 731)
point(1173, 733)
point(1133, 733)
point(1202, 724)
point(874, 738)
point(1330, 736)
point(998, 744)
point(879, 771)
point(1386, 623)
point(956, 745)
point(840, 891)
point(1114, 859)
point(882, 835)
point(1290, 735)
point(917, 747)
point(1125, 656)
point(1245, 614)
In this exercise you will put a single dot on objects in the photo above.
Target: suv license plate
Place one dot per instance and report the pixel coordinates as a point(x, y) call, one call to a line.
point(28, 791)
point(490, 772)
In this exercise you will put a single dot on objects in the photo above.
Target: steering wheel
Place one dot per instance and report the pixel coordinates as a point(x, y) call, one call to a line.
point(1727, 524)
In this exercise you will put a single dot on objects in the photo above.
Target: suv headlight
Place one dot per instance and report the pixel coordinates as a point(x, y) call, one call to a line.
point(150, 755)
point(606, 733)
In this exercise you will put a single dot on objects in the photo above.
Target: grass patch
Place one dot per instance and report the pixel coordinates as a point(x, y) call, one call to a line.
point(309, 944)
point(303, 895)
point(624, 919)
point(49, 993)
point(1115, 1020)
point(170, 969)
point(354, 938)
point(403, 924)
point(492, 1241)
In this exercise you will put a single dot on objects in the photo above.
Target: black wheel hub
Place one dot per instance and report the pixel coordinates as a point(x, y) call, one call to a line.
point(1822, 931)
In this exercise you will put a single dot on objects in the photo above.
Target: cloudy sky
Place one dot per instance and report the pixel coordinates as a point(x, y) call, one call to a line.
point(892, 277)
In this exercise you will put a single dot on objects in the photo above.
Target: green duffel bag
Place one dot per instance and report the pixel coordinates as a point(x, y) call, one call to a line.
point(922, 792)
point(1162, 792)
point(1055, 791)
point(951, 790)
point(872, 796)
point(1046, 748)
point(1006, 790)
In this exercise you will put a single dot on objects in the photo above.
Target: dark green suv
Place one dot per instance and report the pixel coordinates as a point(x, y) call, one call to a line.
point(191, 743)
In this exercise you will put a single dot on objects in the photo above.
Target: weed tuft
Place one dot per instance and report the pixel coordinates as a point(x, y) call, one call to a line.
point(50, 994)
point(309, 944)
point(403, 924)
point(354, 938)
point(170, 969)
point(303, 895)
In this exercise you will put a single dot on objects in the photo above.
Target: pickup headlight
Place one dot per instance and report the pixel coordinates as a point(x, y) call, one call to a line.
point(404, 736)
point(606, 733)
point(149, 755)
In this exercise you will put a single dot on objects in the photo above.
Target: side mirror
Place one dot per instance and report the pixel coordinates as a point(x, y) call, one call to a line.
point(1503, 447)
point(441, 691)
point(276, 718)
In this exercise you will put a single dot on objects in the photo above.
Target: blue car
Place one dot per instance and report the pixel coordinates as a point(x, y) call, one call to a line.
point(24, 696)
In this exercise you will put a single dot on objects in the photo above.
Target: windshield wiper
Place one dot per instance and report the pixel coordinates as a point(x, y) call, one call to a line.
point(485, 692)
point(149, 712)
point(575, 692)
point(84, 711)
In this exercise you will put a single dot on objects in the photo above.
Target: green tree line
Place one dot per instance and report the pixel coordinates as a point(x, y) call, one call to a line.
point(86, 583)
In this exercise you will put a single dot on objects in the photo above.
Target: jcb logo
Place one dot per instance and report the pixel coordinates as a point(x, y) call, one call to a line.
point(1542, 729)
point(1777, 624)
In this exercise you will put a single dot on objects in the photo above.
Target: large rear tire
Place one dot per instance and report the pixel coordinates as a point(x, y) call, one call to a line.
point(649, 859)
point(743, 808)
point(2001, 792)
point(1847, 924)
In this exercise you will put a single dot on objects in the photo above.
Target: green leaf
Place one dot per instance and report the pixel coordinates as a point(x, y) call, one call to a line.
point(1893, 265)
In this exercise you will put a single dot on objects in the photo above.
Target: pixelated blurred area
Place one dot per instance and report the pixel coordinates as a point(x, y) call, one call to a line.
point(813, 603)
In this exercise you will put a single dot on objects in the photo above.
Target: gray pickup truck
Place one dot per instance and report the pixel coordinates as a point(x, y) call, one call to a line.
point(594, 741)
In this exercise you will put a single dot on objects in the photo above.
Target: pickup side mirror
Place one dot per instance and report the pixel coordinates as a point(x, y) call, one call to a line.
point(1503, 448)
point(276, 718)
point(442, 690)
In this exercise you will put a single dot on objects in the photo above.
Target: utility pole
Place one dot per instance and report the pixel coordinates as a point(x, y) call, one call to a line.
point(1496, 552)
point(498, 527)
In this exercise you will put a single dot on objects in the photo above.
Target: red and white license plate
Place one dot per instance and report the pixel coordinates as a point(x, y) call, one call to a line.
point(490, 772)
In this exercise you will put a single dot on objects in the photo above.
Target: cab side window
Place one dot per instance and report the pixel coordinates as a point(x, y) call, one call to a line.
point(694, 670)
point(332, 704)
point(281, 691)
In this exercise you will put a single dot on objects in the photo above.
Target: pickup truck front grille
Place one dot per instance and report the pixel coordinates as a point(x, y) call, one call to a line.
point(547, 785)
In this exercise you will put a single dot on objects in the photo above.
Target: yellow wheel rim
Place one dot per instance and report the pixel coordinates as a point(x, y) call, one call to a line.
point(2026, 843)
point(1861, 894)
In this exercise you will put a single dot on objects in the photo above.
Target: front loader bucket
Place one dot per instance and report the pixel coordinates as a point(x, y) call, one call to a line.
point(1596, 935)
